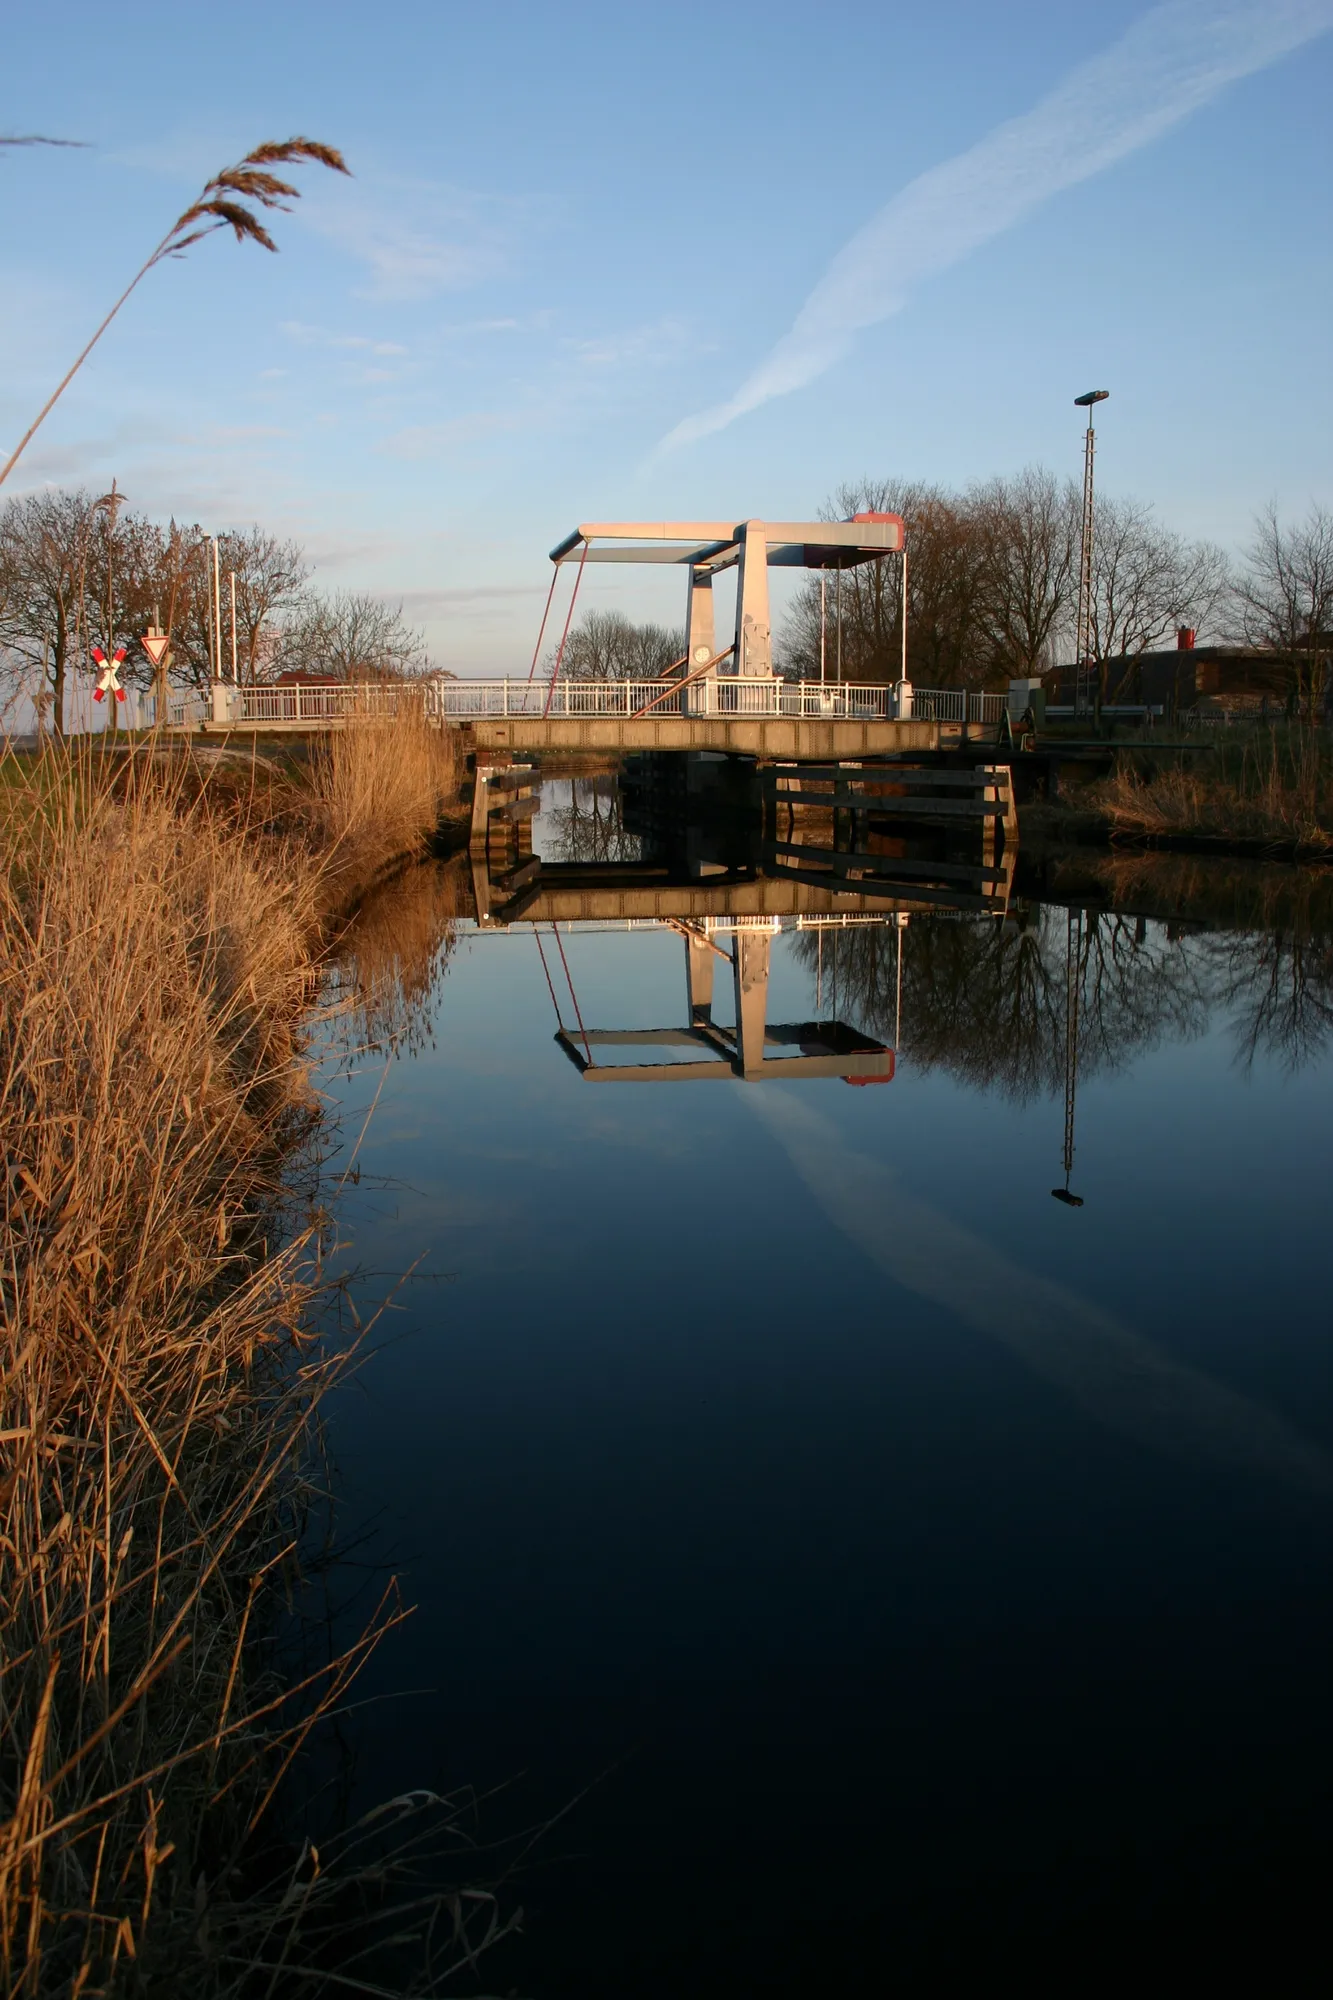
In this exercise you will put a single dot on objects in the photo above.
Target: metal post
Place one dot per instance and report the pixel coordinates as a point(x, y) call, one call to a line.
point(898, 990)
point(113, 505)
point(235, 678)
point(1084, 665)
point(903, 675)
point(1073, 981)
point(823, 583)
point(217, 614)
point(1083, 643)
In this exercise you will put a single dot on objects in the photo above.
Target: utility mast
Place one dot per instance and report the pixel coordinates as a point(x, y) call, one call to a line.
point(1085, 666)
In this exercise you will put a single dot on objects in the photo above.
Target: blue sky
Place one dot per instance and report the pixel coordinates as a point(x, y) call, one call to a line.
point(573, 232)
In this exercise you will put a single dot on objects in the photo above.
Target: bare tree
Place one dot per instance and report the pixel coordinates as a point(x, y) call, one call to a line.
point(45, 559)
point(1146, 582)
point(607, 646)
point(351, 636)
point(270, 575)
point(1028, 529)
point(1284, 599)
point(856, 621)
point(75, 571)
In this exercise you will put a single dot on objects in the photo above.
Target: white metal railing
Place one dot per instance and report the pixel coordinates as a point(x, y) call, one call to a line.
point(183, 709)
point(297, 702)
point(469, 700)
point(724, 695)
point(956, 705)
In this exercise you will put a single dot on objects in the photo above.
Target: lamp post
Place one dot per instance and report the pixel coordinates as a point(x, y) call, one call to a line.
point(1085, 667)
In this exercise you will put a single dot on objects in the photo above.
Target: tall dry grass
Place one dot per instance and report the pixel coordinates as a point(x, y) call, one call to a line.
point(373, 787)
point(159, 1382)
point(1273, 785)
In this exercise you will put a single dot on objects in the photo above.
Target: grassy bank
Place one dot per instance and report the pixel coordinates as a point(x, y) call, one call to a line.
point(160, 926)
point(1257, 790)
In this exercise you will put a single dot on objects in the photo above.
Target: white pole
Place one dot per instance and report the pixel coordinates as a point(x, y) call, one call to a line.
point(898, 994)
point(823, 585)
point(234, 679)
point(904, 671)
point(217, 614)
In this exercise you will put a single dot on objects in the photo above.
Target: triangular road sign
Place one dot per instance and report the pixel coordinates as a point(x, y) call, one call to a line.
point(155, 645)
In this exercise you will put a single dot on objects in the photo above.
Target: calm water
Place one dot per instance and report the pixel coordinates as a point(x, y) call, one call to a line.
point(906, 1574)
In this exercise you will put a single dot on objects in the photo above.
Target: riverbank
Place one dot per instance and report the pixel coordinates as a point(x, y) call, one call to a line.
point(162, 922)
point(1260, 792)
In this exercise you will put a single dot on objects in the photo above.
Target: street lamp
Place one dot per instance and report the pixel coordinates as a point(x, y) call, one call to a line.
point(1085, 667)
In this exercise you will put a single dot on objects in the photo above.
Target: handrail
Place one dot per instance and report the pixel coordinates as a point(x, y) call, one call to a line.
point(322, 703)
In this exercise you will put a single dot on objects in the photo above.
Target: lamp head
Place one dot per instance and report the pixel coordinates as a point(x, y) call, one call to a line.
point(1093, 396)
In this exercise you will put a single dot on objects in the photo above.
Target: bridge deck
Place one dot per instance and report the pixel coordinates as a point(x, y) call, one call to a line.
point(747, 736)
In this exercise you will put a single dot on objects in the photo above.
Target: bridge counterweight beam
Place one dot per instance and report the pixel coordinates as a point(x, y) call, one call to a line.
point(750, 973)
point(753, 657)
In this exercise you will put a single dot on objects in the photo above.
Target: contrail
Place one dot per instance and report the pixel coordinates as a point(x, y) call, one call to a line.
point(1119, 1379)
point(1174, 60)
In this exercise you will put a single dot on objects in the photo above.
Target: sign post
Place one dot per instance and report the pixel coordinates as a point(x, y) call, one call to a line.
point(155, 645)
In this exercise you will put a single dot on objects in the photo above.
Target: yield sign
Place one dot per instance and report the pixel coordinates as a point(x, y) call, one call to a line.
point(155, 645)
point(108, 681)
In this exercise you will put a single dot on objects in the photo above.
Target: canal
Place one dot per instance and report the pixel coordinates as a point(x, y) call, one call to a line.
point(866, 1570)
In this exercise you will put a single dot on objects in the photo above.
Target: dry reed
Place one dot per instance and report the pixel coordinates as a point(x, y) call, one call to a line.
point(1271, 786)
point(160, 1380)
point(371, 789)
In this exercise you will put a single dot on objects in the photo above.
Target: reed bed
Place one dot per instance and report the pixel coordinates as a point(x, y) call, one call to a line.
point(371, 789)
point(1268, 786)
point(160, 1380)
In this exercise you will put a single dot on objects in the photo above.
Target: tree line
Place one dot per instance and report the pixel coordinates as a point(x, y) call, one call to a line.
point(79, 570)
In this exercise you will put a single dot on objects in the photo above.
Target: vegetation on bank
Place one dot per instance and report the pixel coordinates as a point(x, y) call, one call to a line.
point(160, 928)
point(1267, 789)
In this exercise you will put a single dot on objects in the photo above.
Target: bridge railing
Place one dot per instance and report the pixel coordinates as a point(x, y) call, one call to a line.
point(319, 704)
point(464, 700)
point(956, 705)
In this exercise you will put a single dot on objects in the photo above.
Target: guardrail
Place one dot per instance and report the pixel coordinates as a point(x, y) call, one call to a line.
point(461, 701)
point(319, 704)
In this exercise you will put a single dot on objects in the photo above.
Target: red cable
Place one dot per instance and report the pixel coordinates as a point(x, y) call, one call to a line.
point(545, 615)
point(555, 671)
point(550, 989)
point(573, 996)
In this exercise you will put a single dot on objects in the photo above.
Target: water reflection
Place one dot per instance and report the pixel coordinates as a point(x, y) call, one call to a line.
point(781, 1472)
point(753, 1050)
point(1136, 953)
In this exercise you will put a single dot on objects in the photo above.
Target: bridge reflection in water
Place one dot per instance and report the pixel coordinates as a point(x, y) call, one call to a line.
point(726, 909)
point(809, 1048)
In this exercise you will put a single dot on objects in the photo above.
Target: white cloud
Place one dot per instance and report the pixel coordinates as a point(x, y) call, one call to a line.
point(425, 603)
point(418, 240)
point(304, 335)
point(1176, 58)
point(439, 440)
point(661, 340)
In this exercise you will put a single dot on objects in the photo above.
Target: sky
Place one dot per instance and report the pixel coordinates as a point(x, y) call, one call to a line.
point(621, 262)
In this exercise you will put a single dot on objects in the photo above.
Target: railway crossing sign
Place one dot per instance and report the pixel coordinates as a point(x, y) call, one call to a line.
point(108, 681)
point(155, 645)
